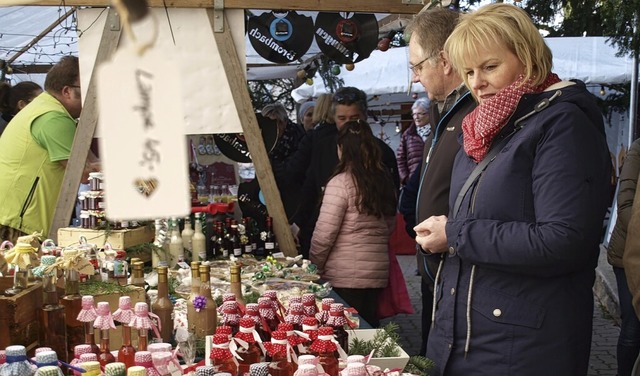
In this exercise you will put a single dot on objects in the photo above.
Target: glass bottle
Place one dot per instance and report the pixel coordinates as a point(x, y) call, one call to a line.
point(309, 304)
point(53, 334)
point(270, 241)
point(245, 236)
point(176, 248)
point(136, 371)
point(123, 314)
point(310, 328)
point(235, 271)
point(159, 254)
point(251, 354)
point(163, 306)
point(141, 322)
point(234, 240)
point(137, 278)
point(280, 364)
point(115, 369)
point(104, 322)
point(295, 316)
point(187, 237)
point(267, 316)
point(231, 315)
point(221, 356)
point(207, 317)
point(195, 290)
point(87, 315)
point(198, 240)
point(338, 322)
point(323, 315)
point(325, 348)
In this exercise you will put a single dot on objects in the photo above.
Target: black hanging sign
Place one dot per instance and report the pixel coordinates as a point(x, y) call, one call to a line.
point(234, 145)
point(346, 37)
point(280, 37)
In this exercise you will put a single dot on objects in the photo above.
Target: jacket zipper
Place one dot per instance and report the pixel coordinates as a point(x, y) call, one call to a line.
point(28, 200)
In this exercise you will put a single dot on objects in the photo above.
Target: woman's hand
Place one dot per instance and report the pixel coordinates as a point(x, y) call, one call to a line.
point(431, 235)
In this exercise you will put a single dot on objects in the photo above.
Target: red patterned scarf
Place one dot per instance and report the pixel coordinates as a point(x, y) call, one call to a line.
point(483, 124)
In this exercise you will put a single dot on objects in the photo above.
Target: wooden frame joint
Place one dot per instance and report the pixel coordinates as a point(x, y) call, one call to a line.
point(218, 16)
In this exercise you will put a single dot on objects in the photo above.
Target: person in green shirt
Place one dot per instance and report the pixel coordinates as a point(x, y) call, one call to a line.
point(34, 150)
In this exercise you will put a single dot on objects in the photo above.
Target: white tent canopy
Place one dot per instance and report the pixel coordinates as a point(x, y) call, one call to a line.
point(590, 59)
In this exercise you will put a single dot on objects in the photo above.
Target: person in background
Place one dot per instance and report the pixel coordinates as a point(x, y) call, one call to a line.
point(427, 191)
point(628, 346)
point(350, 241)
point(529, 192)
point(409, 154)
point(34, 150)
point(15, 98)
point(305, 115)
point(322, 113)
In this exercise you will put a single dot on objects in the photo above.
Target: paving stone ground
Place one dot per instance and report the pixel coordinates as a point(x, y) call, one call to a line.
point(605, 329)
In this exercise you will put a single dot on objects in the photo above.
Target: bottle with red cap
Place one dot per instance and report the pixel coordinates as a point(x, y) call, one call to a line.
point(295, 340)
point(280, 352)
point(251, 311)
point(104, 322)
point(231, 315)
point(338, 322)
point(323, 315)
point(123, 314)
point(310, 328)
point(325, 347)
point(221, 356)
point(247, 332)
point(295, 315)
point(268, 318)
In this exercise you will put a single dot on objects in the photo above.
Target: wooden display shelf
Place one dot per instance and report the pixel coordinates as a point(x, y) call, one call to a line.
point(119, 239)
point(20, 315)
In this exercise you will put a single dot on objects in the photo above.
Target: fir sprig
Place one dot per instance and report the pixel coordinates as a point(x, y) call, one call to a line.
point(419, 365)
point(385, 343)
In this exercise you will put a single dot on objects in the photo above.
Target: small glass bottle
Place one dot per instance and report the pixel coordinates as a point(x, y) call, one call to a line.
point(325, 348)
point(235, 279)
point(231, 316)
point(187, 237)
point(198, 240)
point(295, 316)
point(309, 304)
point(123, 314)
point(53, 334)
point(115, 369)
point(267, 316)
point(104, 322)
point(323, 315)
point(207, 317)
point(278, 349)
point(163, 306)
point(142, 323)
point(136, 371)
point(338, 322)
point(221, 357)
point(78, 351)
point(310, 328)
point(195, 290)
point(295, 341)
point(87, 316)
point(251, 354)
point(270, 240)
point(176, 247)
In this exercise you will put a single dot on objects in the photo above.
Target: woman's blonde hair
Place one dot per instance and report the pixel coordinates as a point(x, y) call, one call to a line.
point(322, 112)
point(500, 24)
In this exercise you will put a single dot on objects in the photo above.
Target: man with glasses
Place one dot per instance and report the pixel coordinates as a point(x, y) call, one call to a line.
point(34, 150)
point(427, 192)
point(313, 164)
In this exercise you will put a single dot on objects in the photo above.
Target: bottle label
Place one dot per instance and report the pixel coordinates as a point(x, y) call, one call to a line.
point(225, 253)
point(119, 269)
point(248, 248)
point(237, 251)
point(269, 245)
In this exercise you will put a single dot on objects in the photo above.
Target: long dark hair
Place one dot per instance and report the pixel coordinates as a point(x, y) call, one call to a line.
point(362, 158)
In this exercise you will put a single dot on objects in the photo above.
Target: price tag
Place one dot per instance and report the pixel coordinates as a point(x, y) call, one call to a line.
point(143, 144)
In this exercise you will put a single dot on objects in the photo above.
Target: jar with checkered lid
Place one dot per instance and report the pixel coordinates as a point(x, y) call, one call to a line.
point(91, 369)
point(231, 315)
point(323, 315)
point(48, 358)
point(280, 352)
point(310, 328)
point(115, 369)
point(49, 371)
point(221, 355)
point(338, 322)
point(325, 346)
point(295, 315)
point(205, 371)
point(16, 362)
point(259, 369)
point(309, 304)
point(268, 316)
point(136, 371)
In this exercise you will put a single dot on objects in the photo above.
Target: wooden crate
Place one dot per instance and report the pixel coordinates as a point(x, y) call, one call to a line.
point(20, 315)
point(137, 294)
point(119, 239)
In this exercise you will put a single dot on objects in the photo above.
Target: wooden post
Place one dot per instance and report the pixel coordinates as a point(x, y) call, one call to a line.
point(253, 136)
point(85, 130)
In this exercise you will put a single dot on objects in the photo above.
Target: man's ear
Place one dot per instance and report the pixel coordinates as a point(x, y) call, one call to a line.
point(21, 104)
point(447, 68)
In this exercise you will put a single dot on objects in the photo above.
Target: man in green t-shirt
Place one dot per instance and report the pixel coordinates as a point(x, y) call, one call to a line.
point(34, 150)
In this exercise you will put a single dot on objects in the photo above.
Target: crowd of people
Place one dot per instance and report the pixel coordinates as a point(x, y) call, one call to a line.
point(503, 178)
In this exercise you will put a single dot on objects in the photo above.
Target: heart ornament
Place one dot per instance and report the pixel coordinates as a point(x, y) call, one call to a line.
point(145, 187)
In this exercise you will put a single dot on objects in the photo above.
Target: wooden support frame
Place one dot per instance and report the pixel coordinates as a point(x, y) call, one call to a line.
point(377, 6)
point(86, 129)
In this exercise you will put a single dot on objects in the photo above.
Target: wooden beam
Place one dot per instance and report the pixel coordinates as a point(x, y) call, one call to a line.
point(85, 130)
point(253, 136)
point(368, 6)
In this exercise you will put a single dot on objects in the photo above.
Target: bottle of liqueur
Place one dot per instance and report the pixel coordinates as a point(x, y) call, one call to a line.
point(310, 328)
point(207, 316)
point(195, 291)
point(124, 314)
point(103, 323)
point(295, 316)
point(270, 240)
point(280, 352)
point(160, 253)
point(326, 348)
point(87, 316)
point(268, 317)
point(198, 240)
point(323, 315)
point(309, 304)
point(231, 316)
point(234, 240)
point(53, 334)
point(339, 323)
point(142, 323)
point(236, 284)
point(221, 356)
point(247, 332)
point(176, 247)
point(245, 236)
point(187, 236)
point(163, 307)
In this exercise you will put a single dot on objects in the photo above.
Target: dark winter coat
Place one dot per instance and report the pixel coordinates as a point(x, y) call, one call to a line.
point(409, 153)
point(524, 246)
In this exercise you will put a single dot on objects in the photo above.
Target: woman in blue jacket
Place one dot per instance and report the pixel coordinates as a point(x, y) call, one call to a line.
point(519, 247)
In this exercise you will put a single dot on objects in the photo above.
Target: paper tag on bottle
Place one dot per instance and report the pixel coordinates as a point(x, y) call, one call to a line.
point(183, 265)
point(143, 147)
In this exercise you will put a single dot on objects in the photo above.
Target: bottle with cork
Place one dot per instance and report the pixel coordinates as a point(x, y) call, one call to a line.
point(195, 291)
point(205, 306)
point(163, 307)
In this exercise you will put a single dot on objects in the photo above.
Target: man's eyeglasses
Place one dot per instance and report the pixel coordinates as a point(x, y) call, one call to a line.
point(420, 114)
point(416, 69)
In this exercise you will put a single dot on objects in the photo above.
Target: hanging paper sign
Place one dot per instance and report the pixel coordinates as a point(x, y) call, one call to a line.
point(346, 37)
point(280, 37)
point(234, 146)
point(143, 148)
